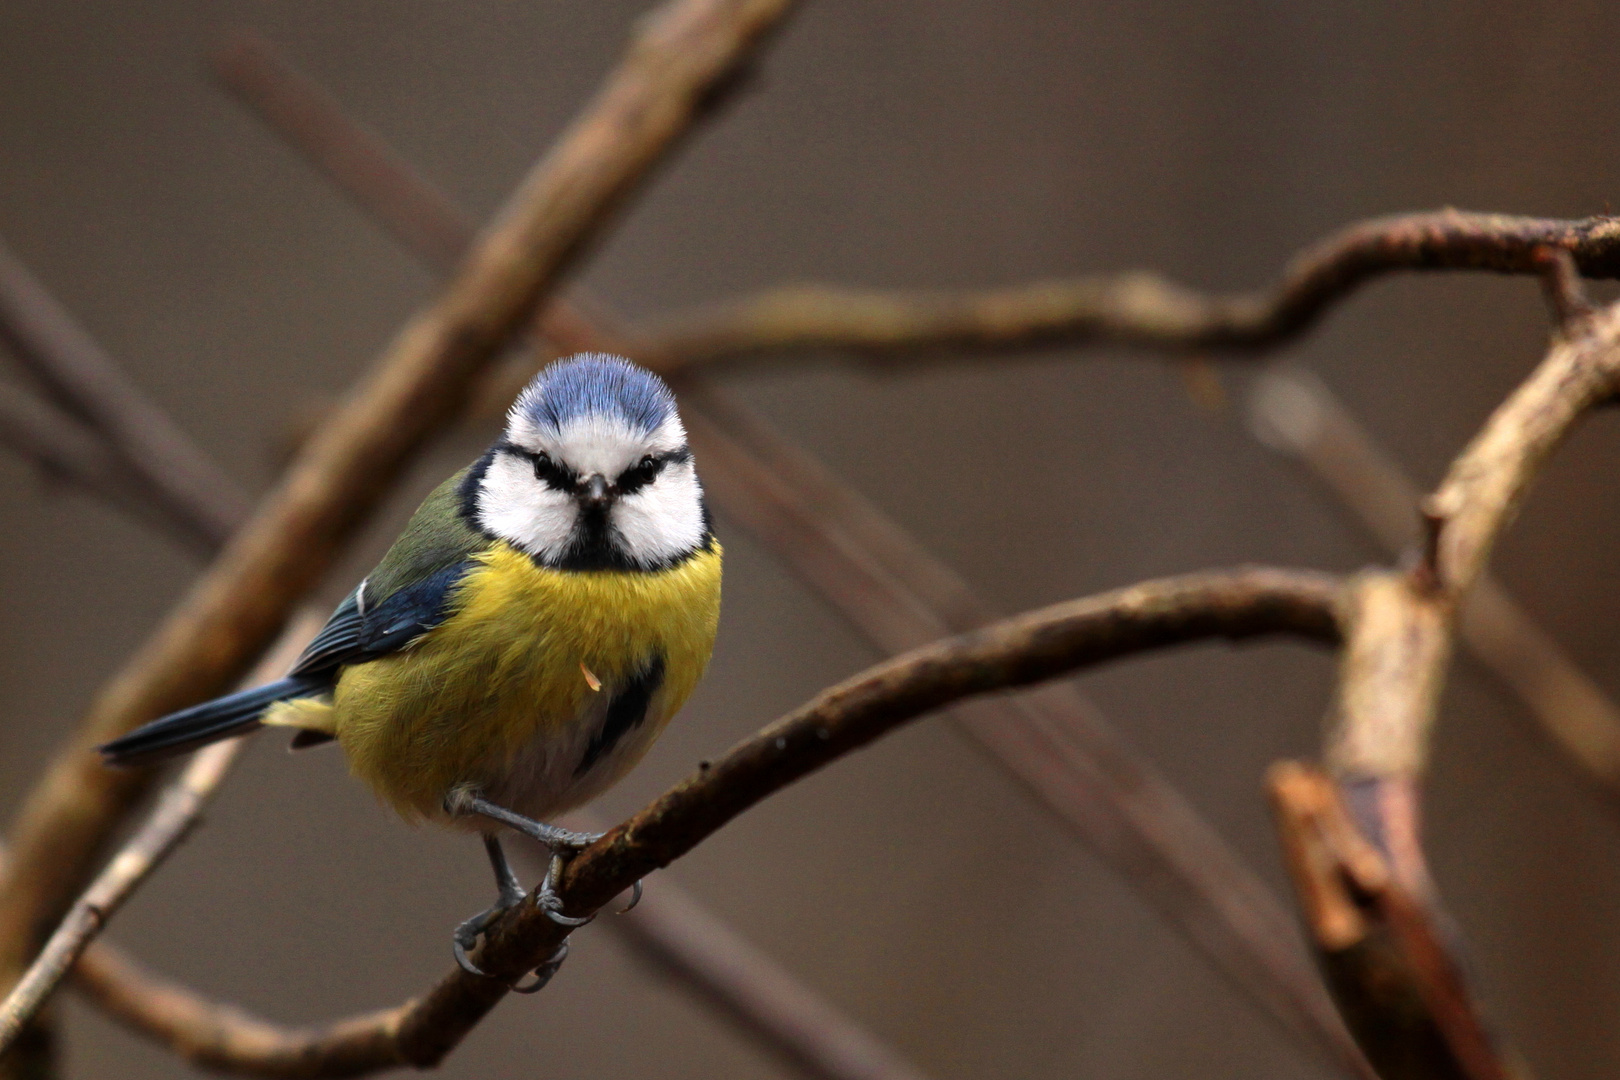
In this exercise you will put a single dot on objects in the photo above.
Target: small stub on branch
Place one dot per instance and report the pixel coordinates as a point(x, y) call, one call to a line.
point(1562, 286)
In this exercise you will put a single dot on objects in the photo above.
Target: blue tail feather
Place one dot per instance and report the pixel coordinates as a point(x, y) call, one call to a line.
point(209, 722)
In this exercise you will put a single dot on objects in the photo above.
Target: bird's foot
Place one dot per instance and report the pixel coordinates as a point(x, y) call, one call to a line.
point(466, 936)
point(465, 939)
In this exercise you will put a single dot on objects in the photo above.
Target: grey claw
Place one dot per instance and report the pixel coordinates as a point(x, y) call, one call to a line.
point(543, 973)
point(635, 898)
point(566, 920)
point(465, 939)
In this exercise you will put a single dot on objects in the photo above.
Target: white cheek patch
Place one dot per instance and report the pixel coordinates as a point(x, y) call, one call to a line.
point(516, 506)
point(664, 519)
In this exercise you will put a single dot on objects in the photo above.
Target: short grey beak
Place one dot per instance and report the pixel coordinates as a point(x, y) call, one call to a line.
point(595, 491)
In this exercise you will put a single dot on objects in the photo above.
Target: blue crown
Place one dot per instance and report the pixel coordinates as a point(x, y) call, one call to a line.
point(596, 384)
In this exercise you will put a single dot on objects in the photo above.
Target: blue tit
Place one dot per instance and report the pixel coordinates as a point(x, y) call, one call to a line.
point(544, 614)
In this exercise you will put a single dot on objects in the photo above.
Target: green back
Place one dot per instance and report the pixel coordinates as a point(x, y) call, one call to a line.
point(436, 537)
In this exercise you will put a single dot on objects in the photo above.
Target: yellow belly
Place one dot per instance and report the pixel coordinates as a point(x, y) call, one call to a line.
point(499, 685)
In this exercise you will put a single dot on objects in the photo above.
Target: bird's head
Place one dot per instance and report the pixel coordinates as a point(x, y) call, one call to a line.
point(593, 471)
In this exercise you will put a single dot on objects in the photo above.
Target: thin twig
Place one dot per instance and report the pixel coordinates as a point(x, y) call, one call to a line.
point(86, 382)
point(250, 66)
point(1052, 741)
point(176, 813)
point(178, 810)
point(678, 57)
point(1135, 308)
point(687, 944)
point(1294, 412)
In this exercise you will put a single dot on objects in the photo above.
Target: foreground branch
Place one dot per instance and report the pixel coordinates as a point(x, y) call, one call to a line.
point(1139, 308)
point(1052, 741)
point(1039, 645)
point(677, 59)
point(1032, 647)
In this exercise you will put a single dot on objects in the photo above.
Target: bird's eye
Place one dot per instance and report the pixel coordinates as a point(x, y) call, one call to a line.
point(640, 474)
point(548, 472)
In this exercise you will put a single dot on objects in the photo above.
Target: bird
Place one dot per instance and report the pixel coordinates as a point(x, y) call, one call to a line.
point(544, 614)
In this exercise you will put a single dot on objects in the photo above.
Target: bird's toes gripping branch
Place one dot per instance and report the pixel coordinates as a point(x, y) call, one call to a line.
point(563, 843)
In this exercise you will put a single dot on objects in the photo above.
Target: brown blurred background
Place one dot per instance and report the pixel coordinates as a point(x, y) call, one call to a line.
point(907, 143)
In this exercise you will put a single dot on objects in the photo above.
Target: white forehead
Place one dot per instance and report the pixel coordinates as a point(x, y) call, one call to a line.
point(595, 442)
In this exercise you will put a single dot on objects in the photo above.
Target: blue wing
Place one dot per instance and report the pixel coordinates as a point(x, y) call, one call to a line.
point(362, 629)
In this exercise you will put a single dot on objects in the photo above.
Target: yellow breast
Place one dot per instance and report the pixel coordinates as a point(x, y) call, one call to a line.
point(503, 673)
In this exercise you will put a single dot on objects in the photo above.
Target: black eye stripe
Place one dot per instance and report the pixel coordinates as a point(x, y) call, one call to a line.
point(555, 476)
point(561, 478)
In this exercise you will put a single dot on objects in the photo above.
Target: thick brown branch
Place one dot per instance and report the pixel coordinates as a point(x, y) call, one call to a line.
point(1019, 651)
point(668, 930)
point(224, 1038)
point(734, 977)
point(1135, 308)
point(1039, 645)
point(1295, 413)
point(88, 384)
point(678, 56)
point(1052, 741)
